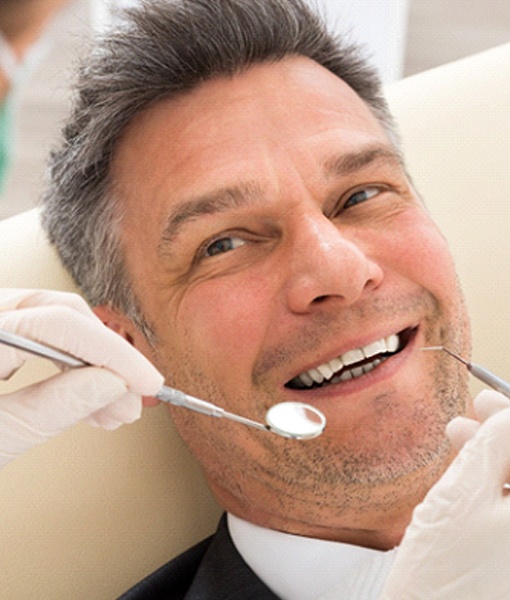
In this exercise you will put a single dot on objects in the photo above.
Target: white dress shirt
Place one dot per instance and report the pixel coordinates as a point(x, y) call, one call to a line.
point(302, 568)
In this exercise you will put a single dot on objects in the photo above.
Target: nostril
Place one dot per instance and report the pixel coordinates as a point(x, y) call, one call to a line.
point(320, 299)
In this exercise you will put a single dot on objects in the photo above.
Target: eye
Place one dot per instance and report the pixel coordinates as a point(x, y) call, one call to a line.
point(222, 245)
point(361, 196)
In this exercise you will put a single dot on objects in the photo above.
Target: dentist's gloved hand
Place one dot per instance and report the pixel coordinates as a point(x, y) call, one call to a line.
point(458, 542)
point(106, 396)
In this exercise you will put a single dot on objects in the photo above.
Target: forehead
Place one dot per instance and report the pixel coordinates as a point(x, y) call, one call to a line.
point(242, 127)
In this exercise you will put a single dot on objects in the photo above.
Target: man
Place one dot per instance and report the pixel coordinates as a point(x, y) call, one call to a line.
point(231, 198)
point(22, 23)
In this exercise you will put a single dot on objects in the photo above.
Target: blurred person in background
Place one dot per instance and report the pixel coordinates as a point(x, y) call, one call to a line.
point(22, 24)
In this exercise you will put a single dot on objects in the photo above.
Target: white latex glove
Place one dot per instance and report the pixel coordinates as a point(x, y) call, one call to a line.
point(457, 545)
point(106, 397)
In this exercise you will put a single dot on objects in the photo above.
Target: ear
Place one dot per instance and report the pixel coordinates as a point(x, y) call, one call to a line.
point(126, 329)
point(115, 321)
point(124, 326)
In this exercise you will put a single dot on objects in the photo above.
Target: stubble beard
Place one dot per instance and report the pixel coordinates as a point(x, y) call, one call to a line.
point(381, 463)
point(369, 473)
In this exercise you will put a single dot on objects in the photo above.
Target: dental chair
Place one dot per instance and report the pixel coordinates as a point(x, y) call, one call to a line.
point(90, 513)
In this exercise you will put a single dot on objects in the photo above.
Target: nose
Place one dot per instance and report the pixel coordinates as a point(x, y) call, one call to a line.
point(326, 263)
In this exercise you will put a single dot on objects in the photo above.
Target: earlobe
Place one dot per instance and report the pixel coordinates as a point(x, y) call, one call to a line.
point(123, 326)
point(115, 321)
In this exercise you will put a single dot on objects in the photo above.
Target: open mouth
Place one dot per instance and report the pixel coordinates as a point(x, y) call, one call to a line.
point(353, 363)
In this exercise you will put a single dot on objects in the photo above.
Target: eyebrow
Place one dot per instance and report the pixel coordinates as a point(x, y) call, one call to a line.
point(218, 201)
point(347, 164)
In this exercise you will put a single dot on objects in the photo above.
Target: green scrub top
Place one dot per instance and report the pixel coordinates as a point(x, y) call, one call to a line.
point(5, 138)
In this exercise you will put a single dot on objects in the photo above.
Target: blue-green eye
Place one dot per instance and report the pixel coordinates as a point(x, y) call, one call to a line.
point(222, 245)
point(361, 196)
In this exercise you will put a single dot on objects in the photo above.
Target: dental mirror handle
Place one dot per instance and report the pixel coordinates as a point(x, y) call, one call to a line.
point(178, 398)
point(27, 345)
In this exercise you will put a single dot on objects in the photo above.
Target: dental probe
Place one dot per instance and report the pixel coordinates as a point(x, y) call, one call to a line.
point(289, 419)
point(481, 373)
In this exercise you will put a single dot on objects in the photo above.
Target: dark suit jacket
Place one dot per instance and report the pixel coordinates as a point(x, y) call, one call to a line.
point(211, 570)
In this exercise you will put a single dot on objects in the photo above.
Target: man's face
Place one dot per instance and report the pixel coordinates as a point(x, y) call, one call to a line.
point(272, 235)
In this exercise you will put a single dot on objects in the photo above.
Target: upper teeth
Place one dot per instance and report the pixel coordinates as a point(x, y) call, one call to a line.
point(328, 370)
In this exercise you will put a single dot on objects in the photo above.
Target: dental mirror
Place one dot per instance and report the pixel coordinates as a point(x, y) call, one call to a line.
point(296, 420)
point(289, 419)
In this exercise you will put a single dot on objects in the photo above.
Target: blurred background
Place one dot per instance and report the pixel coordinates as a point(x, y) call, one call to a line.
point(402, 36)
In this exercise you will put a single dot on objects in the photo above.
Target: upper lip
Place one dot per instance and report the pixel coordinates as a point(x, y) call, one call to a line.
point(345, 348)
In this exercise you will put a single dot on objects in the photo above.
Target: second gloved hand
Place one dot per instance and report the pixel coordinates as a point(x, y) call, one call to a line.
point(458, 543)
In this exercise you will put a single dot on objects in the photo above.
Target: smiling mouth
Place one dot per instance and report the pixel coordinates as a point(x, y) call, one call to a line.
point(353, 363)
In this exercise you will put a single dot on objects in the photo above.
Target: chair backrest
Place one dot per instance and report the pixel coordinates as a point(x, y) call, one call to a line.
point(90, 513)
point(455, 123)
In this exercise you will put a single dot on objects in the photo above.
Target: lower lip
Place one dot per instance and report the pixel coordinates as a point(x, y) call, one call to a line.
point(382, 372)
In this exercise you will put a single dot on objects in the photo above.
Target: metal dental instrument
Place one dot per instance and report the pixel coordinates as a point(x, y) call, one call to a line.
point(481, 373)
point(289, 419)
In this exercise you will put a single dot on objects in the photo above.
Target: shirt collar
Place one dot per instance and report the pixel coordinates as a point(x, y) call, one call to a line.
point(302, 568)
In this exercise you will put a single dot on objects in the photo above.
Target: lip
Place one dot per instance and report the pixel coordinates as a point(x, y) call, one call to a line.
point(384, 371)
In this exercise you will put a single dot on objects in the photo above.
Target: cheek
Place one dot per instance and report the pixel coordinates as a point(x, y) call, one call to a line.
point(423, 256)
point(226, 320)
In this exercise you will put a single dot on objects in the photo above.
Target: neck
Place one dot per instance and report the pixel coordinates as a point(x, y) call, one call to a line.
point(376, 529)
point(374, 517)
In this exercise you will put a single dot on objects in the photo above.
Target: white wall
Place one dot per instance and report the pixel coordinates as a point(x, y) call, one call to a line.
point(380, 25)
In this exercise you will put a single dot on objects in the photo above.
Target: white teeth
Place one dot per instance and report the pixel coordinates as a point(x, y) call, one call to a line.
point(374, 348)
point(391, 343)
point(336, 364)
point(306, 379)
point(316, 375)
point(352, 356)
point(357, 371)
point(328, 370)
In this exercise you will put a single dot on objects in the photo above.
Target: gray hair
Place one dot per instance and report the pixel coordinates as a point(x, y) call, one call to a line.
point(160, 50)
